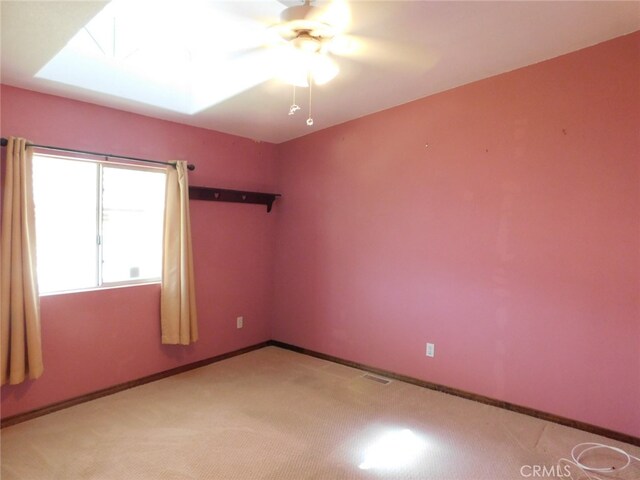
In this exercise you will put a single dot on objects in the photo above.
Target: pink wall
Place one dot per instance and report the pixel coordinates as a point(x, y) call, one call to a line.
point(94, 340)
point(511, 241)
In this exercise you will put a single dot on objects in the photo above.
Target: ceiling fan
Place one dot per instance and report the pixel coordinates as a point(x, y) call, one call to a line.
point(305, 39)
point(302, 47)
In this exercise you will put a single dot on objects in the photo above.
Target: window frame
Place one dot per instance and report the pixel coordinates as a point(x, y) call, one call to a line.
point(99, 188)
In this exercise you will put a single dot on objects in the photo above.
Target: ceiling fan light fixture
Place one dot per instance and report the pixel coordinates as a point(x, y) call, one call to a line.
point(294, 73)
point(295, 77)
point(323, 69)
point(299, 67)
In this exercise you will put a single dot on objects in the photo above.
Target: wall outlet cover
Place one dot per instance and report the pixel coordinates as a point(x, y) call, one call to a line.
point(431, 350)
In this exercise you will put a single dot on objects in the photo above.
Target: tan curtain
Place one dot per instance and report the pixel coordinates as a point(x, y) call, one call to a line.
point(20, 304)
point(178, 317)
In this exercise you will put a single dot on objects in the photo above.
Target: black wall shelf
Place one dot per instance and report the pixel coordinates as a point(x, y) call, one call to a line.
point(237, 196)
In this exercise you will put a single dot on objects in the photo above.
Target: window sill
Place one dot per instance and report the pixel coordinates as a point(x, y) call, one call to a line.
point(105, 287)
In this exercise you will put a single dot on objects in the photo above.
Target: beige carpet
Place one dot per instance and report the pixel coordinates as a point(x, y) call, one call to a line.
point(275, 414)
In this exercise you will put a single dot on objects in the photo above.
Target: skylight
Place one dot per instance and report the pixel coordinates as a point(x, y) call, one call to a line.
point(181, 56)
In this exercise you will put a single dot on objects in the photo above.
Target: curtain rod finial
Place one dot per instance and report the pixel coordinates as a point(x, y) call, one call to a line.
point(191, 167)
point(4, 142)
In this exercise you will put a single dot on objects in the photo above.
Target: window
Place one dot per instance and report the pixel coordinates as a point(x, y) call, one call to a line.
point(97, 224)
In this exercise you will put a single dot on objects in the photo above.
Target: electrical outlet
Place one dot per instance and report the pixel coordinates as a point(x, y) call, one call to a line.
point(431, 349)
point(239, 322)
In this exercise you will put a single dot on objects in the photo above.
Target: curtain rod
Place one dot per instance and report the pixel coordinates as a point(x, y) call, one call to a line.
point(4, 142)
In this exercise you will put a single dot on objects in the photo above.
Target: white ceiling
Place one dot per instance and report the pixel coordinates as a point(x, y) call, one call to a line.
point(411, 49)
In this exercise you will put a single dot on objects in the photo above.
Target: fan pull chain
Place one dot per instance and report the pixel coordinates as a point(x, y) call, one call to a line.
point(310, 120)
point(293, 108)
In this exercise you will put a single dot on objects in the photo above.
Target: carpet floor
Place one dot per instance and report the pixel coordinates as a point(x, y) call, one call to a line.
point(276, 414)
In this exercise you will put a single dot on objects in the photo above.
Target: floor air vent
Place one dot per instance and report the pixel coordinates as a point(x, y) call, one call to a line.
point(383, 381)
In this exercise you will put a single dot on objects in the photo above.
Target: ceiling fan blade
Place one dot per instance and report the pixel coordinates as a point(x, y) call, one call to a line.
point(266, 38)
point(290, 3)
point(337, 14)
point(243, 52)
point(373, 50)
